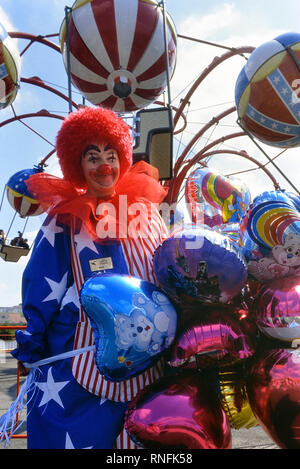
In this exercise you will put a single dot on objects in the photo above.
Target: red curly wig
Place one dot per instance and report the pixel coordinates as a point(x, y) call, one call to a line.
point(85, 126)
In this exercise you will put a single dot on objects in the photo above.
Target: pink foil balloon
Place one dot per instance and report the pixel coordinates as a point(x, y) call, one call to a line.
point(181, 411)
point(273, 387)
point(277, 309)
point(217, 340)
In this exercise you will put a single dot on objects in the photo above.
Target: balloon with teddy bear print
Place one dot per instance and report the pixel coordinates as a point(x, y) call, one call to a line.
point(270, 235)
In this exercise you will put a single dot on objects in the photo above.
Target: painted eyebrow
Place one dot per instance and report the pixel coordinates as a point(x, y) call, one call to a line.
point(91, 147)
point(94, 147)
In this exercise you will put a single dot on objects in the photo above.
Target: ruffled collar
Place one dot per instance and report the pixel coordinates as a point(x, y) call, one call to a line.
point(140, 185)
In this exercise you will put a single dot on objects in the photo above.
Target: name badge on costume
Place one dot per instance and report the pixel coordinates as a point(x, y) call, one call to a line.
point(105, 263)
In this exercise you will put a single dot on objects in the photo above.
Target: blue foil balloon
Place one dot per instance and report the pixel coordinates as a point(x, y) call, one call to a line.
point(295, 198)
point(201, 264)
point(133, 323)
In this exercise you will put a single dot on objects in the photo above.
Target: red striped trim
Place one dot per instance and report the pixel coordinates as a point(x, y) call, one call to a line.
point(109, 102)
point(82, 53)
point(9, 84)
point(87, 86)
point(31, 210)
point(147, 18)
point(17, 203)
point(160, 65)
point(125, 442)
point(129, 104)
point(107, 29)
point(148, 94)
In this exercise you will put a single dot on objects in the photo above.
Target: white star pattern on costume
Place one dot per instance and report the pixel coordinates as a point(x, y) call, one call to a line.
point(51, 390)
point(102, 400)
point(57, 288)
point(50, 231)
point(70, 297)
point(69, 443)
point(83, 240)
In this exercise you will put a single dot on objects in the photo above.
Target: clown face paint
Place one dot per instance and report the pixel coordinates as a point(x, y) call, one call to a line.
point(101, 168)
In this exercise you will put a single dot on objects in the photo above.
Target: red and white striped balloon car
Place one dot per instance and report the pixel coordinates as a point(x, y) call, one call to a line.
point(117, 52)
point(19, 197)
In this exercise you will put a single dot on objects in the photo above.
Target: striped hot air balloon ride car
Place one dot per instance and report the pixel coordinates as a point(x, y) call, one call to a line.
point(18, 195)
point(117, 52)
point(10, 65)
point(267, 92)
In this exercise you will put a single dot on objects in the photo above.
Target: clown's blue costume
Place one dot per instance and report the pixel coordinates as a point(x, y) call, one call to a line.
point(71, 405)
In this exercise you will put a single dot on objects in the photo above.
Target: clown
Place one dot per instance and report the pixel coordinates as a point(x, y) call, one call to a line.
point(71, 404)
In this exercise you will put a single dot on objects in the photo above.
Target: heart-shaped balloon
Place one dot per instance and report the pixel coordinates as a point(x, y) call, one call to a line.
point(273, 386)
point(214, 199)
point(199, 263)
point(276, 309)
point(133, 323)
point(212, 341)
point(181, 411)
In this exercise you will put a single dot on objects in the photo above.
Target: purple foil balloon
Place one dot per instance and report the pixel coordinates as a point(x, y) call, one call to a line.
point(201, 264)
point(277, 309)
point(273, 387)
point(217, 340)
point(182, 411)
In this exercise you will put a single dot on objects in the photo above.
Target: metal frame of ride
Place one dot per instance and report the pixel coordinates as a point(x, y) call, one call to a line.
point(184, 163)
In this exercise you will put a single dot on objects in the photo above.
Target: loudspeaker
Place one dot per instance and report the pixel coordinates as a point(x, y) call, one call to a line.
point(154, 140)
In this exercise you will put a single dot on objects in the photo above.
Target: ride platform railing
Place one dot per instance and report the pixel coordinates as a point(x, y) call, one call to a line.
point(5, 337)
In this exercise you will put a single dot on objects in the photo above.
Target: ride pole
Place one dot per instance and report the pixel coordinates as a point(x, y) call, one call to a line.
point(67, 11)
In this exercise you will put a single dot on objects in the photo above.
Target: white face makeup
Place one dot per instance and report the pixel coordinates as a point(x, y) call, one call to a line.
point(101, 168)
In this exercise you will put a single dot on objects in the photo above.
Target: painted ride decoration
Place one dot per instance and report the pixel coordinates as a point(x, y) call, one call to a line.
point(10, 66)
point(18, 195)
point(117, 52)
point(266, 92)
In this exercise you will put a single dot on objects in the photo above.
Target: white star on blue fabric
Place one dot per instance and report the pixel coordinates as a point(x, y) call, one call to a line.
point(50, 231)
point(69, 443)
point(51, 390)
point(71, 296)
point(57, 288)
point(83, 240)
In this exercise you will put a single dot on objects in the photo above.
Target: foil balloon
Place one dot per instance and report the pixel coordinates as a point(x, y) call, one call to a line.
point(295, 198)
point(211, 341)
point(181, 411)
point(276, 309)
point(117, 52)
point(173, 217)
point(271, 237)
point(214, 199)
point(198, 263)
point(234, 397)
point(10, 69)
point(133, 323)
point(265, 92)
point(273, 386)
point(232, 231)
point(19, 197)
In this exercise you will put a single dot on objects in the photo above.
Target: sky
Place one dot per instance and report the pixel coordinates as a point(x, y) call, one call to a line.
point(227, 23)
